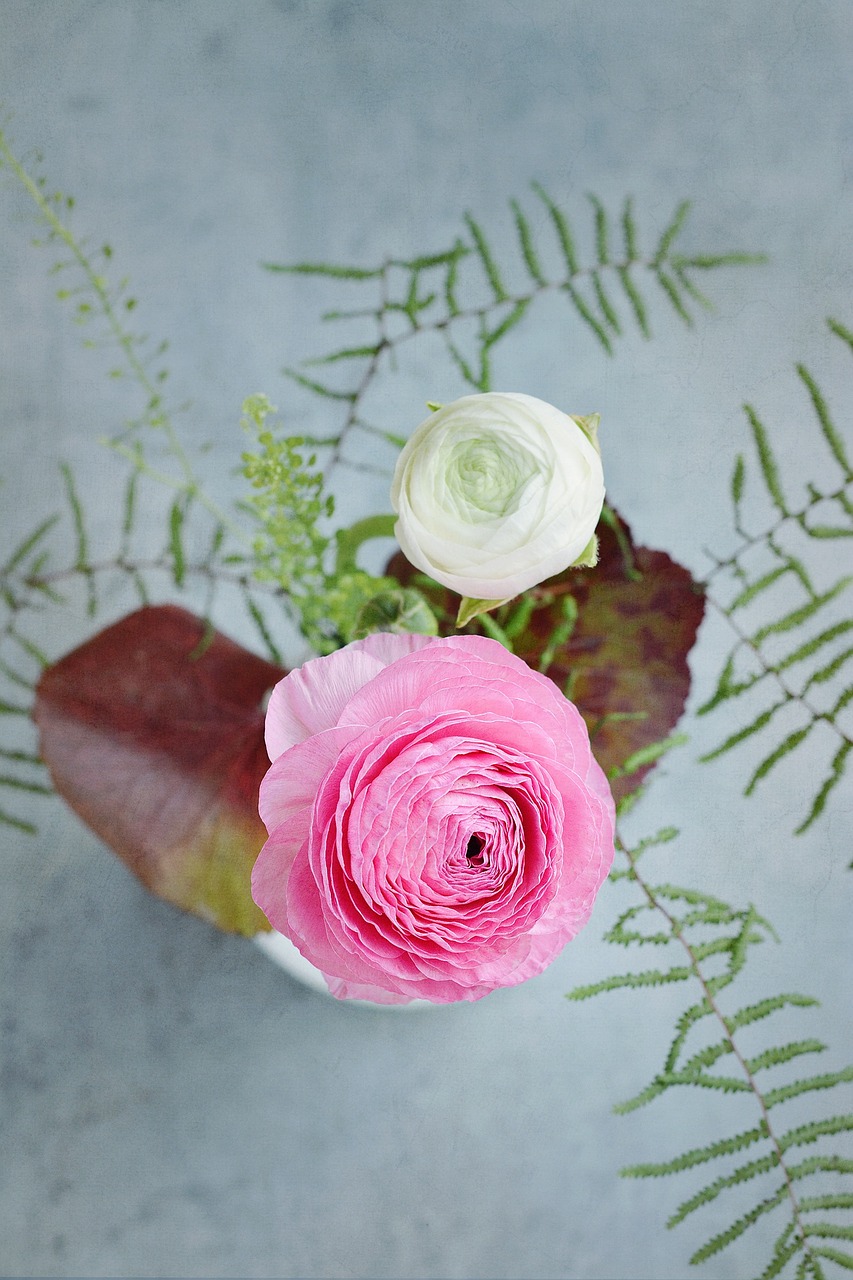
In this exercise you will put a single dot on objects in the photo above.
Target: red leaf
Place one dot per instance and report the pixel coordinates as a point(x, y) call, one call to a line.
point(638, 613)
point(153, 734)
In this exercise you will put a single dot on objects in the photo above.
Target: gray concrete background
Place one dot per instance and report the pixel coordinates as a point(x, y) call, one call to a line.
point(172, 1104)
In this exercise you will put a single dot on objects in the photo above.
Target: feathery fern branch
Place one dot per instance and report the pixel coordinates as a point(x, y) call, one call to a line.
point(676, 919)
point(807, 677)
point(470, 297)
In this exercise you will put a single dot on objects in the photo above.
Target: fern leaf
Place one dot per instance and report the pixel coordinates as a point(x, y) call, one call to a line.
point(829, 1230)
point(629, 231)
point(698, 1155)
point(835, 1255)
point(789, 744)
point(525, 240)
point(24, 784)
point(826, 1080)
point(671, 232)
point(767, 460)
point(754, 589)
point(330, 270)
point(586, 314)
point(742, 1174)
point(636, 302)
point(763, 1008)
point(20, 824)
point(562, 228)
point(737, 1228)
point(830, 432)
point(815, 1129)
point(646, 978)
point(176, 521)
point(602, 233)
point(784, 1053)
point(263, 630)
point(487, 259)
point(509, 321)
point(798, 616)
point(29, 544)
point(836, 772)
point(318, 388)
point(817, 642)
point(605, 304)
point(835, 1200)
point(346, 353)
point(783, 1251)
point(668, 285)
point(742, 734)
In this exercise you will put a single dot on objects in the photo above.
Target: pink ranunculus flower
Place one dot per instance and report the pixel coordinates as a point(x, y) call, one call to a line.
point(437, 824)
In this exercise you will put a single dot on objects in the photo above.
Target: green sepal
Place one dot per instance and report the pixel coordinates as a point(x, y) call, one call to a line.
point(469, 608)
point(588, 558)
point(589, 426)
point(400, 610)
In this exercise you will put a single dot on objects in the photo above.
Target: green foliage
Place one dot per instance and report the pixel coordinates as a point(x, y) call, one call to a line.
point(790, 676)
point(705, 943)
point(287, 502)
point(472, 297)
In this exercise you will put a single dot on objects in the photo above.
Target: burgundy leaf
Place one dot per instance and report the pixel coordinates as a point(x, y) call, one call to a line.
point(153, 733)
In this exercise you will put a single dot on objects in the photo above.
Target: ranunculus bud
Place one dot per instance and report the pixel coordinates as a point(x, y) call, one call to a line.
point(497, 492)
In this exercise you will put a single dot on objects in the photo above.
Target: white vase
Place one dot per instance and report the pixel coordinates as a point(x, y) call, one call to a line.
point(282, 952)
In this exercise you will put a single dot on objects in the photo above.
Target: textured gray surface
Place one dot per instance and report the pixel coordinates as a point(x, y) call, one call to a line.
point(173, 1105)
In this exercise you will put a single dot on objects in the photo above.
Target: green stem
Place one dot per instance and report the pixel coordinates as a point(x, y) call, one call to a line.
point(350, 540)
point(125, 342)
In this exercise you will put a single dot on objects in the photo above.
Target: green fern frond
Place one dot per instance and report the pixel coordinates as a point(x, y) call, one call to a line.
point(659, 919)
point(760, 642)
point(444, 295)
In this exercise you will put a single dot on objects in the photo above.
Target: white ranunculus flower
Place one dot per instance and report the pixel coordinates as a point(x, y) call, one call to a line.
point(496, 492)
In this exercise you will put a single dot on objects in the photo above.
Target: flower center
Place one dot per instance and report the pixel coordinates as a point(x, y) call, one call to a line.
point(487, 477)
point(474, 851)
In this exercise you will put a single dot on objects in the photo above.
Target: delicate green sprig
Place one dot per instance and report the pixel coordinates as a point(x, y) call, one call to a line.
point(678, 920)
point(755, 661)
point(465, 295)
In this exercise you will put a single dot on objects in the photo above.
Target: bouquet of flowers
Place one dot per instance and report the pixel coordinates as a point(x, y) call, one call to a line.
point(426, 808)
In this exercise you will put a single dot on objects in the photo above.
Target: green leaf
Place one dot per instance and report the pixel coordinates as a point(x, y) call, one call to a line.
point(724, 1238)
point(562, 228)
point(528, 250)
point(830, 432)
point(602, 247)
point(798, 616)
point(671, 232)
point(327, 269)
point(745, 1173)
point(742, 734)
point(832, 779)
point(263, 630)
point(635, 300)
point(828, 1080)
point(668, 285)
point(29, 543)
point(698, 1155)
point(486, 257)
point(176, 520)
point(766, 458)
point(470, 608)
point(586, 314)
point(629, 231)
point(20, 824)
point(605, 304)
point(784, 1053)
point(738, 477)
